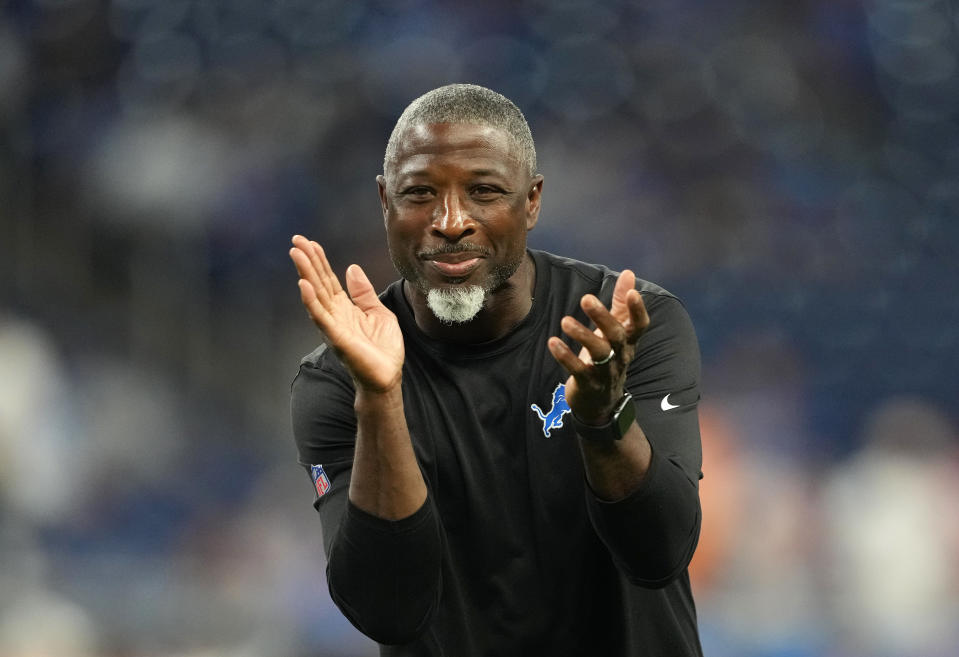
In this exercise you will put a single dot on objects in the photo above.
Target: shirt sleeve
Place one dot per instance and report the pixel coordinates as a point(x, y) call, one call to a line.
point(652, 533)
point(383, 575)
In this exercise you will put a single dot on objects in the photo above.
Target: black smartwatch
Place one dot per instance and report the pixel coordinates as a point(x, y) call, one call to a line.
point(624, 414)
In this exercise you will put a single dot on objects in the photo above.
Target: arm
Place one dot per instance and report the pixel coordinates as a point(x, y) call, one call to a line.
point(383, 553)
point(386, 481)
point(644, 500)
point(615, 468)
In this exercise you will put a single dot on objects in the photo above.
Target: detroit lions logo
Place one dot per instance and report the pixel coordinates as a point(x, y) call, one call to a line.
point(554, 418)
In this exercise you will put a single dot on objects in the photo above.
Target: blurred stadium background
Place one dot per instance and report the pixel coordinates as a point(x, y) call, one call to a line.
point(789, 168)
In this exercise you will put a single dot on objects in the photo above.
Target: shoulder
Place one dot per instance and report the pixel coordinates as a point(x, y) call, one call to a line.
point(569, 268)
point(594, 278)
point(321, 367)
point(315, 358)
point(321, 398)
point(321, 358)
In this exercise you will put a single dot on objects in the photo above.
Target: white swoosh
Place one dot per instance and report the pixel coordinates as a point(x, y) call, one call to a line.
point(665, 405)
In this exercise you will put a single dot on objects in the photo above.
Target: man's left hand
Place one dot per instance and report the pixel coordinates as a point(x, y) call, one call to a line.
point(594, 386)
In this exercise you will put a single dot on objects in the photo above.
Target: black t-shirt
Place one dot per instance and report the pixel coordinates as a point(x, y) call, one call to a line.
point(512, 554)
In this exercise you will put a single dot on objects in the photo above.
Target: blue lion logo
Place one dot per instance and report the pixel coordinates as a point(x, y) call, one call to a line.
point(554, 418)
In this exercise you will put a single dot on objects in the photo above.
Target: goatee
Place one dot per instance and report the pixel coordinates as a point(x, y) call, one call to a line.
point(455, 305)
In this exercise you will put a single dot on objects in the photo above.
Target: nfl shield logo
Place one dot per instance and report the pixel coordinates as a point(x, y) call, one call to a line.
point(320, 480)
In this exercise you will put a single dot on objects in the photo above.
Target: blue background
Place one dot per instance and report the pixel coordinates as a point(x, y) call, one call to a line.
point(790, 169)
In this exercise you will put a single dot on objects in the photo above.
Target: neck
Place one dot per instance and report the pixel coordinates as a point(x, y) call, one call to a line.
point(504, 309)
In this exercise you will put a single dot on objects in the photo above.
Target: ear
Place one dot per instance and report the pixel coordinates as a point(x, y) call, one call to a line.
point(533, 198)
point(384, 199)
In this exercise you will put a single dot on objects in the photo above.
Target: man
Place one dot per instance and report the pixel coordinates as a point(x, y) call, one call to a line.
point(483, 488)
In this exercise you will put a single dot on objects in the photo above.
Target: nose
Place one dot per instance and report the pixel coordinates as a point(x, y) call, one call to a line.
point(451, 219)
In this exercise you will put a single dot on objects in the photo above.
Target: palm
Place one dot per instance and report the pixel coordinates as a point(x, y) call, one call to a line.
point(369, 342)
point(363, 332)
point(589, 393)
point(592, 390)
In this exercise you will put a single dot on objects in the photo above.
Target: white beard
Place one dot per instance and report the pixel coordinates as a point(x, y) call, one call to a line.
point(456, 304)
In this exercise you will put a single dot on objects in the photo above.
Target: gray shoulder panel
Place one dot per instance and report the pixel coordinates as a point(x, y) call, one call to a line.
point(313, 358)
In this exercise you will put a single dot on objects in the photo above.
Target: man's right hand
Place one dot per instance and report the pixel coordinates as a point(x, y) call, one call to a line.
point(358, 327)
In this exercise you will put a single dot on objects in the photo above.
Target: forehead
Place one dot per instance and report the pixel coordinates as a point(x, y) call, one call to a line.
point(424, 146)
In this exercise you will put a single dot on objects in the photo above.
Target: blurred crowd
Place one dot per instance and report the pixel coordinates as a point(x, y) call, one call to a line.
point(790, 169)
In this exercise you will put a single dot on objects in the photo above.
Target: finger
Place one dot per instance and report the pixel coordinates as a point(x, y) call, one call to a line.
point(597, 345)
point(299, 241)
point(608, 326)
point(302, 245)
point(322, 265)
point(318, 313)
point(563, 355)
point(307, 272)
point(305, 247)
point(619, 308)
point(304, 266)
point(313, 266)
point(360, 289)
point(638, 316)
point(320, 292)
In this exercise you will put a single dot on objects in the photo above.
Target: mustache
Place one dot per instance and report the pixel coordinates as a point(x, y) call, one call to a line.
point(462, 247)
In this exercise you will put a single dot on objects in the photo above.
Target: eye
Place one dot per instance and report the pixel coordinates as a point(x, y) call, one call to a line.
point(417, 193)
point(486, 192)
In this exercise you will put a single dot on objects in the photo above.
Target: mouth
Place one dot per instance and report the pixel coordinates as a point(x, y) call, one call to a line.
point(455, 268)
point(456, 264)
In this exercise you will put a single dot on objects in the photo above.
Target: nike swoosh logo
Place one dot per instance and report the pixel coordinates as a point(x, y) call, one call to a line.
point(665, 405)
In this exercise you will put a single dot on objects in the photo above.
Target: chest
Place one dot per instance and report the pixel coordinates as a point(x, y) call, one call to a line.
point(493, 436)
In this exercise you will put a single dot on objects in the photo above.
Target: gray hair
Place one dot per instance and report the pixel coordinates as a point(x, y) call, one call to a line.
point(470, 104)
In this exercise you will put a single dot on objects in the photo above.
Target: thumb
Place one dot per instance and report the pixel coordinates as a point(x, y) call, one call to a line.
point(360, 289)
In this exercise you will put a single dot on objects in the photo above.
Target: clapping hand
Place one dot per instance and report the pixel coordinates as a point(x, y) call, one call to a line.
point(358, 327)
point(598, 373)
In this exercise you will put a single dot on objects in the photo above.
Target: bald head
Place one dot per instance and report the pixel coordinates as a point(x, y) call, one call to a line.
point(469, 104)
